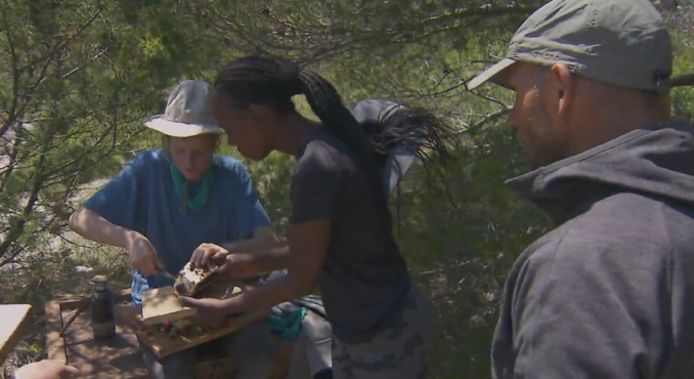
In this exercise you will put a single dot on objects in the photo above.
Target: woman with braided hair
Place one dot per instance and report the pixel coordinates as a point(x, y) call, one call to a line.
point(339, 232)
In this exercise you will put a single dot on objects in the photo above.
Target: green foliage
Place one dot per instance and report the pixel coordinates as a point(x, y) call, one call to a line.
point(682, 24)
point(460, 232)
point(272, 177)
point(78, 78)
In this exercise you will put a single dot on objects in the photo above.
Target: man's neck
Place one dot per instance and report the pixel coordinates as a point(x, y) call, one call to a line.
point(612, 113)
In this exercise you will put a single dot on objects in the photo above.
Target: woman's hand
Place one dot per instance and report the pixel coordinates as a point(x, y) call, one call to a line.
point(46, 369)
point(236, 265)
point(210, 312)
point(141, 254)
point(208, 253)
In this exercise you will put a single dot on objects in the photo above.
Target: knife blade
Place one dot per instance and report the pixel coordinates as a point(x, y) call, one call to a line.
point(166, 274)
point(161, 270)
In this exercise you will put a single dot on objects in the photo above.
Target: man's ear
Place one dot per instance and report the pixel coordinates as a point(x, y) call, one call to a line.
point(563, 87)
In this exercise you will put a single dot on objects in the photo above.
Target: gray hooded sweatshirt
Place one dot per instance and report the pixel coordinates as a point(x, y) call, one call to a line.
point(609, 293)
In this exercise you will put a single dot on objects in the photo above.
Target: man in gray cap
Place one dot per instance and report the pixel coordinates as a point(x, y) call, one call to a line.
point(609, 293)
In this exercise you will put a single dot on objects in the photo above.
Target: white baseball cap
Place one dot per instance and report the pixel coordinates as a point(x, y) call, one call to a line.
point(188, 111)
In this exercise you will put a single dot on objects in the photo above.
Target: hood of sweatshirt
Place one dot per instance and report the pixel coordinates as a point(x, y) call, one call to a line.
point(656, 161)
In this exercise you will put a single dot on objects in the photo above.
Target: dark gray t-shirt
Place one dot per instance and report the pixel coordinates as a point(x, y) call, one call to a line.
point(364, 281)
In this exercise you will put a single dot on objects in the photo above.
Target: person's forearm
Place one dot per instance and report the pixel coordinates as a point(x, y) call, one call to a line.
point(90, 225)
point(305, 256)
point(261, 254)
point(249, 265)
point(263, 239)
point(271, 260)
point(252, 245)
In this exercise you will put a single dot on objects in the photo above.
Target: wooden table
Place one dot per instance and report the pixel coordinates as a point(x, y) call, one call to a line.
point(117, 357)
point(120, 357)
point(15, 319)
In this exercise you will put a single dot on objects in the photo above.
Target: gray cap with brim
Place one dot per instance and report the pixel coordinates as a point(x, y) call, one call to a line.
point(620, 42)
point(188, 111)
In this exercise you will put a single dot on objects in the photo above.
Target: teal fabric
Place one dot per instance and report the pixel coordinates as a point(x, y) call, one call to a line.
point(200, 197)
point(286, 325)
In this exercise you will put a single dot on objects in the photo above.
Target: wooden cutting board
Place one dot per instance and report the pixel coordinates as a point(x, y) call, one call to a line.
point(162, 344)
point(161, 304)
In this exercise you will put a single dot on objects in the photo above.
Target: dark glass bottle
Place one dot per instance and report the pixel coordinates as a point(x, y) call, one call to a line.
point(103, 323)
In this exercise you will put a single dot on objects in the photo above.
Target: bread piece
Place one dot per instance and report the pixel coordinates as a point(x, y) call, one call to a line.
point(161, 304)
point(191, 279)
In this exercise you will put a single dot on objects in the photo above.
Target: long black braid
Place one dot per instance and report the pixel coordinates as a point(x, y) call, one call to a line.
point(273, 82)
point(398, 125)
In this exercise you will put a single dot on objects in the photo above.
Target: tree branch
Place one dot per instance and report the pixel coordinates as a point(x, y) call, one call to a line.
point(11, 112)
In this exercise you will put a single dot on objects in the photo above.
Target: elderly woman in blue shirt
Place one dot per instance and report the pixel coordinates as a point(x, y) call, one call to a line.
point(166, 202)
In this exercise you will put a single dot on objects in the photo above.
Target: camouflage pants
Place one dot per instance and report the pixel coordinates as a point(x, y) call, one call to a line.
point(397, 352)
